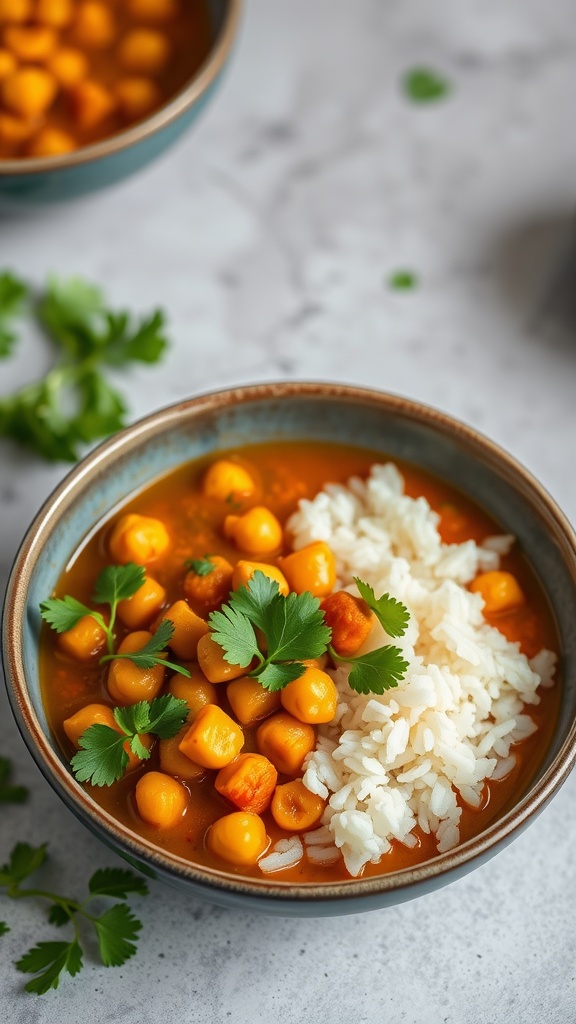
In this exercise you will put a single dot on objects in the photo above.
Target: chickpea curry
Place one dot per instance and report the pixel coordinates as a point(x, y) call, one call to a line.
point(73, 72)
point(207, 707)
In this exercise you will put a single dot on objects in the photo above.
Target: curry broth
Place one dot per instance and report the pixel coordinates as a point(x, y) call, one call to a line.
point(286, 472)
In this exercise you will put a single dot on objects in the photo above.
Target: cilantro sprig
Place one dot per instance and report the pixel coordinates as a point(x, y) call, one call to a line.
point(102, 758)
point(116, 928)
point(114, 584)
point(295, 630)
point(74, 404)
point(201, 566)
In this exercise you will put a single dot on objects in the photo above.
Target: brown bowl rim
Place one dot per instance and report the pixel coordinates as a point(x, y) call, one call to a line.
point(75, 796)
point(198, 84)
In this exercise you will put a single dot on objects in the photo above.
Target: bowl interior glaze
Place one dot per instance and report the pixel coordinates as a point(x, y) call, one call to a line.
point(390, 425)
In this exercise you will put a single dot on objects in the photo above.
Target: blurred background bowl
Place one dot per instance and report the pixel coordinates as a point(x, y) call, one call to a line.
point(392, 426)
point(48, 179)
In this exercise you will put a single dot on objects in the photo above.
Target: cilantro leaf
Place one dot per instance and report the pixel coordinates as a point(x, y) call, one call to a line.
point(153, 651)
point(48, 960)
point(402, 280)
point(167, 715)
point(117, 928)
point(377, 671)
point(117, 583)
point(255, 598)
point(101, 759)
point(392, 615)
point(234, 632)
point(4, 928)
point(276, 677)
point(201, 566)
point(63, 613)
point(10, 794)
point(295, 628)
point(422, 85)
point(59, 915)
point(116, 882)
point(24, 859)
point(144, 343)
point(13, 292)
point(101, 410)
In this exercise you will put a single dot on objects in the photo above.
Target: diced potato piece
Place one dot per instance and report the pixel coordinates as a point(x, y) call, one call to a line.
point(140, 539)
point(160, 799)
point(174, 762)
point(57, 13)
point(250, 702)
point(51, 142)
point(214, 739)
point(248, 782)
point(312, 568)
point(196, 691)
point(213, 663)
point(69, 66)
point(285, 741)
point(189, 628)
point(31, 42)
point(137, 97)
point(239, 838)
point(137, 612)
point(207, 592)
point(311, 698)
point(295, 808)
point(94, 26)
point(500, 590)
point(85, 641)
point(257, 531)
point(29, 91)
point(127, 683)
point(91, 103)
point(144, 51)
point(350, 620)
point(226, 480)
point(244, 571)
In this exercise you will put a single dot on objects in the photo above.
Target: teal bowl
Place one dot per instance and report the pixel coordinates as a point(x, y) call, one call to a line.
point(52, 179)
point(384, 423)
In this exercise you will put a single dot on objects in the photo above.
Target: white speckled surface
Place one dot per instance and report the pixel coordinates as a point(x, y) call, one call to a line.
point(269, 235)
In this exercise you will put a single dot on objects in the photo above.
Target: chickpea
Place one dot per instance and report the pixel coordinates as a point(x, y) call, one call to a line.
point(14, 131)
point(127, 683)
point(51, 142)
point(31, 42)
point(244, 571)
point(29, 91)
point(311, 698)
point(174, 762)
point(94, 25)
point(137, 612)
point(196, 691)
point(144, 51)
point(312, 568)
point(213, 663)
point(137, 97)
point(214, 739)
point(91, 103)
point(189, 628)
point(285, 741)
point(139, 539)
point(85, 641)
point(225, 479)
point(57, 13)
point(257, 531)
point(295, 808)
point(249, 701)
point(239, 838)
point(160, 799)
point(69, 66)
point(15, 11)
point(8, 63)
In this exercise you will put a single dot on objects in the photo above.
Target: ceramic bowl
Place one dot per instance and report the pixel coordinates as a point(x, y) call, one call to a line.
point(43, 179)
point(384, 423)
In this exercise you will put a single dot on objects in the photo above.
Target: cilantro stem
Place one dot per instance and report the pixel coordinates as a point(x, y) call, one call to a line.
point(157, 661)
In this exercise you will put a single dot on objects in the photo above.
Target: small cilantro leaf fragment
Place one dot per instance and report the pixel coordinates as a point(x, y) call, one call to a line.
point(275, 677)
point(48, 960)
point(10, 794)
point(117, 583)
point(63, 613)
point(116, 882)
point(423, 85)
point(402, 280)
point(102, 759)
point(13, 293)
point(24, 859)
point(201, 566)
point(392, 615)
point(117, 928)
point(59, 915)
point(152, 652)
point(295, 628)
point(377, 671)
point(255, 598)
point(4, 928)
point(234, 632)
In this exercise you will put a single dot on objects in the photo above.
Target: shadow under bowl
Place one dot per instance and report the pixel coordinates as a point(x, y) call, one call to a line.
point(387, 424)
point(52, 179)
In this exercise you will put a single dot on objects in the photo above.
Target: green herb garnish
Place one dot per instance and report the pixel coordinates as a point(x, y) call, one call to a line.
point(201, 566)
point(102, 758)
point(116, 928)
point(13, 292)
point(294, 629)
point(151, 653)
point(422, 85)
point(10, 794)
point(402, 280)
point(73, 404)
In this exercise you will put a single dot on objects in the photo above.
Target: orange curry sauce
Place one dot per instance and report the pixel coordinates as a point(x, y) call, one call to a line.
point(286, 473)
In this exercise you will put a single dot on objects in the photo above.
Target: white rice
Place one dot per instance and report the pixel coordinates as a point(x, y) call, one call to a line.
point(407, 759)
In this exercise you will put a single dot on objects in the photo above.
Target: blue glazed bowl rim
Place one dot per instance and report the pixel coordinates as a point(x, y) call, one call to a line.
point(373, 890)
point(196, 86)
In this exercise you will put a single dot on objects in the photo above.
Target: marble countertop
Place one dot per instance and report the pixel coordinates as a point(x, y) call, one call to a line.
point(270, 234)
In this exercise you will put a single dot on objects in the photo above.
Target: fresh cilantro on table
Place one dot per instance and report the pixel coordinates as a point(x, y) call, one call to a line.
point(10, 794)
point(201, 566)
point(295, 630)
point(423, 85)
point(13, 294)
point(102, 758)
point(116, 928)
point(74, 403)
